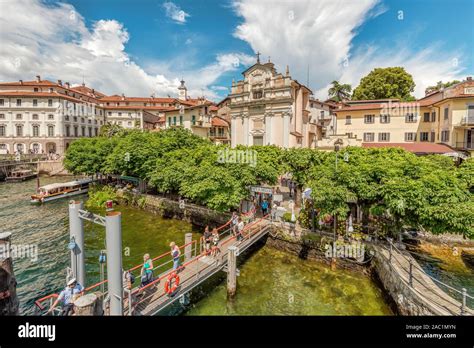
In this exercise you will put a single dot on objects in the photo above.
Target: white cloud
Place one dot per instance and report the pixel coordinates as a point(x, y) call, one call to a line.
point(53, 41)
point(319, 34)
point(175, 13)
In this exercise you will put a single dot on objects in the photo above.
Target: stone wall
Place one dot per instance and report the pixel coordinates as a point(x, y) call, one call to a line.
point(195, 214)
point(52, 168)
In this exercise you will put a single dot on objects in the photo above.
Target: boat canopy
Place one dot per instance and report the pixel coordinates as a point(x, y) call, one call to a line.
point(64, 184)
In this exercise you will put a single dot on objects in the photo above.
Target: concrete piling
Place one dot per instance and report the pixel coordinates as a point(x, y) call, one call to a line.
point(9, 304)
point(76, 233)
point(231, 271)
point(113, 231)
point(188, 238)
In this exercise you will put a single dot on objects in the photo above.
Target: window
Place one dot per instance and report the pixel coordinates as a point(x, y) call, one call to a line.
point(446, 113)
point(75, 118)
point(110, 114)
point(2, 131)
point(174, 120)
point(181, 120)
point(83, 130)
point(18, 102)
point(369, 136)
point(50, 117)
point(120, 114)
point(96, 131)
point(410, 118)
point(445, 135)
point(257, 95)
point(89, 121)
point(35, 131)
point(76, 132)
point(426, 117)
point(50, 102)
point(2, 116)
point(68, 130)
point(169, 121)
point(369, 118)
point(410, 136)
point(35, 117)
point(193, 120)
point(66, 117)
point(35, 89)
point(35, 102)
point(50, 131)
point(384, 136)
point(348, 119)
point(3, 146)
point(424, 136)
point(129, 123)
point(82, 120)
point(90, 132)
point(433, 136)
point(19, 116)
point(433, 116)
point(1, 102)
point(384, 118)
point(19, 130)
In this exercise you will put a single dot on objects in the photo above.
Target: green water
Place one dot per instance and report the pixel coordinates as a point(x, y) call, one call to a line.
point(270, 282)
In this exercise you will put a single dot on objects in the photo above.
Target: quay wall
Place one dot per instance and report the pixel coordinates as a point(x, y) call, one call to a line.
point(52, 168)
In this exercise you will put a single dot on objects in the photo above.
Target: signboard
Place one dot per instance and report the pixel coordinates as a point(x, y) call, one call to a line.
point(261, 189)
point(469, 90)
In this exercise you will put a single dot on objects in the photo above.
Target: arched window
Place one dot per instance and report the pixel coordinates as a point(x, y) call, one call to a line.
point(19, 130)
point(36, 131)
point(50, 131)
point(36, 148)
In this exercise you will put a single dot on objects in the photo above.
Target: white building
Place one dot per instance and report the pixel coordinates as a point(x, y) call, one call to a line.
point(41, 116)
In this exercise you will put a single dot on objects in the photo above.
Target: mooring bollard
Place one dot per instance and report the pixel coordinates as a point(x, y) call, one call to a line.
point(464, 295)
point(89, 304)
point(188, 238)
point(411, 273)
point(231, 271)
point(9, 304)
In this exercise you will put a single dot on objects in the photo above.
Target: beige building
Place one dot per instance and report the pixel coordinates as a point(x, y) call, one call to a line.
point(41, 116)
point(269, 108)
point(444, 117)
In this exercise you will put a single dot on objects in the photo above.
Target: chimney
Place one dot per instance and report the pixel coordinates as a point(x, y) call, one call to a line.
point(60, 82)
point(38, 78)
point(21, 82)
point(123, 96)
point(93, 91)
point(67, 85)
point(469, 78)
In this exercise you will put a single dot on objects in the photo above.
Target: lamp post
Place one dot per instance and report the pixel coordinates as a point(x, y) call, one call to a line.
point(336, 149)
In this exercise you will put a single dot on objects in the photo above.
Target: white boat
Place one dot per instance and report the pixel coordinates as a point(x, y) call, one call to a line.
point(61, 190)
point(21, 175)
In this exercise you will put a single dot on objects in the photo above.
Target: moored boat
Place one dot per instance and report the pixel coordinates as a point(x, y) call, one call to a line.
point(60, 190)
point(21, 175)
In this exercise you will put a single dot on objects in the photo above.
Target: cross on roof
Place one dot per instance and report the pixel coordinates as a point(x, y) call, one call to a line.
point(258, 56)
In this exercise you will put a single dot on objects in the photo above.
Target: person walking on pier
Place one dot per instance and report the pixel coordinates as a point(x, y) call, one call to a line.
point(215, 243)
point(234, 220)
point(175, 254)
point(207, 240)
point(147, 270)
point(240, 229)
point(67, 296)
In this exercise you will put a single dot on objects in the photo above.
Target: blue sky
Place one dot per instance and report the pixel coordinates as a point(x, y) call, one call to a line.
point(143, 46)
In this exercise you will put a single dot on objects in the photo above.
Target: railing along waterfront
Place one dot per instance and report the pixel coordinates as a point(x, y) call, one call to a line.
point(411, 278)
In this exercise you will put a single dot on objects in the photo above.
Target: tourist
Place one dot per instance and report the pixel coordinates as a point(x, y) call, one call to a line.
point(175, 254)
point(207, 239)
point(67, 296)
point(264, 207)
point(240, 229)
point(234, 220)
point(147, 270)
point(215, 242)
point(290, 186)
point(274, 211)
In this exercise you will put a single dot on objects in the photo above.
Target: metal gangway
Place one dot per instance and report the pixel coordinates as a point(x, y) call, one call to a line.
point(197, 265)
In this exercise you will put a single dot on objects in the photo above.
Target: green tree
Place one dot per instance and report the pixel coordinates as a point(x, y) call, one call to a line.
point(339, 92)
point(439, 85)
point(381, 83)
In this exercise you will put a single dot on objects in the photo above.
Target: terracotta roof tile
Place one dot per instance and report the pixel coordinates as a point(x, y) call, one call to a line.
point(420, 148)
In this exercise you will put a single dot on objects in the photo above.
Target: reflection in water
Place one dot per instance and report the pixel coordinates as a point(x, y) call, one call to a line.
point(271, 282)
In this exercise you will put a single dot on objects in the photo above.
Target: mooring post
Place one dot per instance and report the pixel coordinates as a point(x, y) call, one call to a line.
point(188, 238)
point(464, 295)
point(231, 271)
point(411, 273)
point(9, 304)
point(113, 231)
point(76, 234)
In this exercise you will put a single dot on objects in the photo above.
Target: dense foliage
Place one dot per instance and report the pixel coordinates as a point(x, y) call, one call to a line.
point(427, 192)
point(380, 83)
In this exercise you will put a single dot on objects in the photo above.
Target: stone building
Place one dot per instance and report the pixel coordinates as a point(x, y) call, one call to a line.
point(269, 108)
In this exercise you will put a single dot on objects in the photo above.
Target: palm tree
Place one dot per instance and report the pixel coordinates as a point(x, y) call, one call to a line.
point(339, 92)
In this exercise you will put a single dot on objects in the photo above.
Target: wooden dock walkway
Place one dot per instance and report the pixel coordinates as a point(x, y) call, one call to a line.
point(153, 298)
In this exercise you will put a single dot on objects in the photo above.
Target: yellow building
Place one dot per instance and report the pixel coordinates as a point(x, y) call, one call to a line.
point(440, 122)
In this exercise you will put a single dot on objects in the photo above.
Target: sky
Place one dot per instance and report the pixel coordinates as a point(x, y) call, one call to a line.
point(141, 47)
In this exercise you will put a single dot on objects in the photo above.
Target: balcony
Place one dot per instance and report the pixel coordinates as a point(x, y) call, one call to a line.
point(465, 145)
point(467, 121)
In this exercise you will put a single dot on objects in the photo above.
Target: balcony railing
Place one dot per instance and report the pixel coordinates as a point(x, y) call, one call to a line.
point(467, 120)
point(465, 145)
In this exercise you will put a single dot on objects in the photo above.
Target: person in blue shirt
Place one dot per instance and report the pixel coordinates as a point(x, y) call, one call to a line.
point(264, 207)
point(67, 296)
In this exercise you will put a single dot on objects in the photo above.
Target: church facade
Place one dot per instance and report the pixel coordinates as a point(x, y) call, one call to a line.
point(269, 108)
